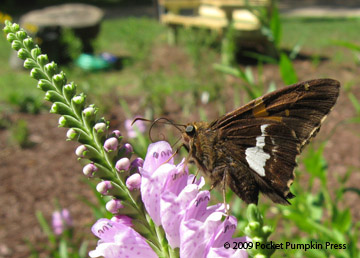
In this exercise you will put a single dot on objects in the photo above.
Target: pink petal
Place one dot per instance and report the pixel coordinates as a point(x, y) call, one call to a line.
point(152, 185)
point(158, 153)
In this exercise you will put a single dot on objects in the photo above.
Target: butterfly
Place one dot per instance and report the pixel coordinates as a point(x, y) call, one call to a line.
point(253, 148)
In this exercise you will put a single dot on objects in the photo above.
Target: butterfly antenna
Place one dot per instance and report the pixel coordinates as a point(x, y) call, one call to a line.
point(167, 121)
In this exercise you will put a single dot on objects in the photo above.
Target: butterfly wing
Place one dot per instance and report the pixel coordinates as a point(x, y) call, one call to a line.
point(262, 139)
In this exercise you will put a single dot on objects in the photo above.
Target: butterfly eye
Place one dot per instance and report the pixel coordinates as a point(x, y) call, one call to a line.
point(190, 130)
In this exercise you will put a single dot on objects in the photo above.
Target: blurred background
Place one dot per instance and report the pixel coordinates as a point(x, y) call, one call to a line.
point(187, 62)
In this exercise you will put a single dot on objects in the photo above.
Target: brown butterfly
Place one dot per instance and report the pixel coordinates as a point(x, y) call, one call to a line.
point(253, 148)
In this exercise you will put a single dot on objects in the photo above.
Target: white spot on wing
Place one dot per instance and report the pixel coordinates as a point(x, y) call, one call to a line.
point(255, 156)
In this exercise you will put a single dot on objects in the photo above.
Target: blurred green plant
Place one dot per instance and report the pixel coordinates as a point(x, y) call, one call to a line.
point(65, 245)
point(314, 216)
point(198, 43)
point(19, 134)
point(72, 43)
point(26, 103)
point(137, 36)
point(353, 47)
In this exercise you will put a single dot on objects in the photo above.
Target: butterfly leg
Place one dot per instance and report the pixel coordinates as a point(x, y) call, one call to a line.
point(224, 192)
point(197, 172)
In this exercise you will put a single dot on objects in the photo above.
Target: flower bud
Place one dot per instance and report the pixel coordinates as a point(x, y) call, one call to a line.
point(51, 69)
point(71, 134)
point(37, 74)
point(111, 144)
point(16, 44)
point(42, 59)
point(30, 63)
point(100, 127)
point(122, 164)
point(114, 206)
point(59, 80)
point(69, 90)
point(68, 121)
point(89, 170)
point(35, 52)
point(21, 35)
point(89, 111)
point(81, 151)
point(133, 182)
point(135, 164)
point(44, 85)
point(138, 162)
point(116, 133)
point(104, 187)
point(23, 54)
point(28, 42)
point(128, 148)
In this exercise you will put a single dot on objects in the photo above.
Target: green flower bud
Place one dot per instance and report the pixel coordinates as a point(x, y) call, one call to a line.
point(69, 121)
point(23, 53)
point(59, 80)
point(44, 85)
point(267, 231)
point(37, 74)
point(41, 59)
point(69, 90)
point(78, 102)
point(21, 35)
point(254, 225)
point(53, 96)
point(28, 42)
point(61, 109)
point(16, 44)
point(10, 37)
point(35, 52)
point(30, 63)
point(51, 69)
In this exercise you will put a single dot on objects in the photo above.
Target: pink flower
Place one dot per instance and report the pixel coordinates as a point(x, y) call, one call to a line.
point(61, 220)
point(119, 240)
point(154, 174)
point(175, 202)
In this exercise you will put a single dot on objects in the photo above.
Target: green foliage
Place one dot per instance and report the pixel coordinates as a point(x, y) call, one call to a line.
point(252, 88)
point(20, 134)
point(135, 35)
point(72, 43)
point(318, 217)
point(26, 103)
point(197, 42)
point(287, 70)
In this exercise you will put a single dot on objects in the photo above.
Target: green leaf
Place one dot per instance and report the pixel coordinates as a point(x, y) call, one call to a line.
point(63, 252)
point(355, 102)
point(45, 227)
point(287, 70)
point(342, 220)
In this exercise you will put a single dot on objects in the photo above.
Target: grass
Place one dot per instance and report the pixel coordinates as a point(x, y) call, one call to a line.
point(317, 35)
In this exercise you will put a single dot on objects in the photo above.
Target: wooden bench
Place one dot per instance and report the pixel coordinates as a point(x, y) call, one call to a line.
point(215, 15)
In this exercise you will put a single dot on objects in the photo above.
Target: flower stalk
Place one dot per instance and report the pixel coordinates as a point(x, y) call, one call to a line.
point(85, 127)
